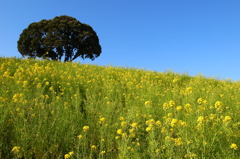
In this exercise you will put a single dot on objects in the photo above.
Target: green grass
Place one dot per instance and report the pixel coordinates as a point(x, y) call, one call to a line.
point(70, 110)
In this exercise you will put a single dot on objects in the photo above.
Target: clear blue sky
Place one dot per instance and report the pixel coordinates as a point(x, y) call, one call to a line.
point(186, 36)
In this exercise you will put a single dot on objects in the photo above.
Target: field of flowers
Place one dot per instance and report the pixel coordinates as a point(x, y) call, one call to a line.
point(70, 110)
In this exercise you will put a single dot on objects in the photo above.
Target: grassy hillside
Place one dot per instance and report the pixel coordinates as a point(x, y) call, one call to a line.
point(69, 110)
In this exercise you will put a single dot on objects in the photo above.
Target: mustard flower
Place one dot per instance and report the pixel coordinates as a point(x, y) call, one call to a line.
point(16, 149)
point(131, 130)
point(85, 128)
point(234, 146)
point(178, 141)
point(124, 134)
point(134, 125)
point(157, 150)
point(172, 103)
point(165, 105)
point(158, 123)
point(121, 118)
point(188, 90)
point(170, 115)
point(119, 131)
point(163, 130)
point(102, 120)
point(227, 119)
point(200, 119)
point(93, 147)
point(190, 155)
point(187, 106)
point(102, 152)
point(200, 100)
point(218, 104)
point(174, 122)
point(39, 85)
point(123, 123)
point(149, 128)
point(80, 136)
point(66, 156)
point(148, 103)
point(179, 108)
point(150, 122)
point(133, 135)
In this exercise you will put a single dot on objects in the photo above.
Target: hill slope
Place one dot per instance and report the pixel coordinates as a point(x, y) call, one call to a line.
point(54, 109)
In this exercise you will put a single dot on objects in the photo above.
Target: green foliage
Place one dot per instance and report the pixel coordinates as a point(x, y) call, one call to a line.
point(52, 109)
point(61, 37)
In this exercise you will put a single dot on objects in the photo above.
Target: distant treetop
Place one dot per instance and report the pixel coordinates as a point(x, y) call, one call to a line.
point(62, 37)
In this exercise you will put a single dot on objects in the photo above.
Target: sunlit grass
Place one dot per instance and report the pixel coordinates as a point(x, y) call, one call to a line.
point(69, 110)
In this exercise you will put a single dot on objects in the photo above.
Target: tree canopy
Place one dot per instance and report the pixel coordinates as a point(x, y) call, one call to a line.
point(62, 37)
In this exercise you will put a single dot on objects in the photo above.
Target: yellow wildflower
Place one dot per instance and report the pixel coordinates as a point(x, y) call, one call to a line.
point(158, 123)
point(150, 122)
point(188, 90)
point(102, 120)
point(121, 118)
point(227, 119)
point(149, 128)
point(170, 115)
point(182, 123)
point(147, 103)
point(133, 135)
point(163, 130)
point(187, 106)
point(172, 103)
point(218, 104)
point(102, 152)
point(165, 105)
point(205, 102)
point(200, 100)
point(124, 134)
point(234, 146)
point(157, 150)
point(16, 149)
point(80, 136)
point(93, 147)
point(200, 119)
point(134, 125)
point(174, 122)
point(119, 131)
point(85, 128)
point(178, 141)
point(190, 155)
point(66, 156)
point(179, 108)
point(123, 123)
point(131, 130)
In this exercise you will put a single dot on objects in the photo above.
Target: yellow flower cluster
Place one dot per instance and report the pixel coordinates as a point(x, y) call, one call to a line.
point(16, 149)
point(125, 111)
point(68, 155)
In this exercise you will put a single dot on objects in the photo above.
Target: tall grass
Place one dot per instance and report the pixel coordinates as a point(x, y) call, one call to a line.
point(69, 110)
